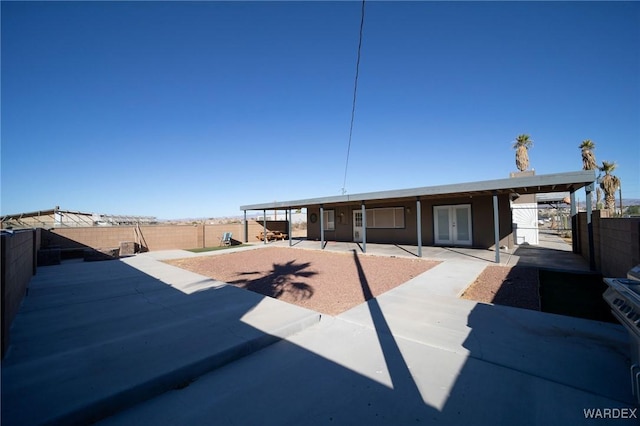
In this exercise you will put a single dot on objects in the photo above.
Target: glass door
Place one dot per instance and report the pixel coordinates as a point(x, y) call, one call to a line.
point(462, 225)
point(357, 226)
point(452, 225)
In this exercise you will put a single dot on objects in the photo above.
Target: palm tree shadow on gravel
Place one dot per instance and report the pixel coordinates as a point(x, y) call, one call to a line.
point(283, 278)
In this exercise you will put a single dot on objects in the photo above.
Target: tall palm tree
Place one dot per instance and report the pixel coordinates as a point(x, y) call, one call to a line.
point(588, 157)
point(609, 184)
point(598, 199)
point(522, 145)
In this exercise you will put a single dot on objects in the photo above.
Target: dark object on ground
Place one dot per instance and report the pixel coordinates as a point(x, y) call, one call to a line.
point(94, 255)
point(574, 294)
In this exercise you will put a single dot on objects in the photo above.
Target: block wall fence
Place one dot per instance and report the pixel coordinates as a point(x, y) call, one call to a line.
point(616, 242)
point(616, 248)
point(156, 237)
point(18, 254)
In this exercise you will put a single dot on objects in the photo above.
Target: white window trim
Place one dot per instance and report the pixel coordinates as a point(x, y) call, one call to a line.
point(329, 220)
point(398, 212)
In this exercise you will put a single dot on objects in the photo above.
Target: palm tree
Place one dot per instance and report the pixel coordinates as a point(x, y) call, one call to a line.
point(609, 184)
point(598, 199)
point(522, 145)
point(588, 157)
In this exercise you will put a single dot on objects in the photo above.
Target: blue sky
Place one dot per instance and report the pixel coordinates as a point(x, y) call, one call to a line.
point(183, 110)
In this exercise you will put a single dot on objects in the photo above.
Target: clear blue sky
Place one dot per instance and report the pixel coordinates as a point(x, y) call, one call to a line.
point(183, 110)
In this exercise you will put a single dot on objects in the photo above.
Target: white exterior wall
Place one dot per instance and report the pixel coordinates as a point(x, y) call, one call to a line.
point(525, 223)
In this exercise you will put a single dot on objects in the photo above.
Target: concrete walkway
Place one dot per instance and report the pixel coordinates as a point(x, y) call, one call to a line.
point(551, 252)
point(158, 345)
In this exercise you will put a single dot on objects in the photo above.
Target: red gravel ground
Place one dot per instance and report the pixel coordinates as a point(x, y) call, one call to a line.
point(330, 283)
point(515, 286)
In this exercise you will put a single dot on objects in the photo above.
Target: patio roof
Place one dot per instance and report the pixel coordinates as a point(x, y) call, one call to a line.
point(559, 182)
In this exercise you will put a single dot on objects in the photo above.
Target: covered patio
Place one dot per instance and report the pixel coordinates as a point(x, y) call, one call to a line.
point(487, 205)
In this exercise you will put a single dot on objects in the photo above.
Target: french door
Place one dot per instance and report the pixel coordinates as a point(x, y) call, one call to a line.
point(452, 225)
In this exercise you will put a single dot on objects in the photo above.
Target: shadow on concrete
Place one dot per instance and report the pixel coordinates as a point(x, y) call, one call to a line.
point(283, 278)
point(297, 240)
point(463, 253)
point(406, 250)
point(92, 339)
point(400, 375)
point(95, 339)
point(548, 257)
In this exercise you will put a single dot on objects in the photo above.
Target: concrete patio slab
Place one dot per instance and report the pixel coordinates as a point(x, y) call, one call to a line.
point(149, 343)
point(588, 355)
point(344, 373)
point(93, 338)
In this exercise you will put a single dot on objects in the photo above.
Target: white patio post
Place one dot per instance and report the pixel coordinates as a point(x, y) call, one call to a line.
point(289, 213)
point(264, 224)
point(592, 258)
point(574, 222)
point(364, 228)
point(496, 226)
point(246, 228)
point(419, 225)
point(321, 227)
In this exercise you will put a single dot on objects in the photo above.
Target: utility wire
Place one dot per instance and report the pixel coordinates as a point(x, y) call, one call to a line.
point(353, 106)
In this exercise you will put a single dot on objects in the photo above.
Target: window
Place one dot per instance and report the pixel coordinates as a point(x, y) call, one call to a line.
point(392, 217)
point(329, 220)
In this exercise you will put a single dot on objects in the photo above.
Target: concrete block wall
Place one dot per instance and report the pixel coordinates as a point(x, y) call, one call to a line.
point(583, 235)
point(213, 233)
point(616, 242)
point(18, 265)
point(619, 239)
point(156, 237)
point(94, 236)
point(172, 237)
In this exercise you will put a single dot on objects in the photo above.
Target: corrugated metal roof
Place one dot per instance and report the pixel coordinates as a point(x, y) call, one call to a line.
point(559, 182)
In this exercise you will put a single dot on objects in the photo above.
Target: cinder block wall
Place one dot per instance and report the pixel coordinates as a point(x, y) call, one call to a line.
point(158, 237)
point(213, 233)
point(620, 240)
point(18, 257)
point(616, 242)
point(95, 237)
point(583, 235)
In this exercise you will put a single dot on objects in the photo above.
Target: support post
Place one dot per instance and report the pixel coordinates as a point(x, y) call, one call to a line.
point(321, 227)
point(246, 228)
point(289, 221)
point(592, 258)
point(364, 228)
point(574, 222)
point(264, 224)
point(419, 225)
point(496, 226)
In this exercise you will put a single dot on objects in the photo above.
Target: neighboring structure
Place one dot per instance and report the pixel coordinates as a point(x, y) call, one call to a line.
point(295, 216)
point(475, 214)
point(57, 218)
point(524, 211)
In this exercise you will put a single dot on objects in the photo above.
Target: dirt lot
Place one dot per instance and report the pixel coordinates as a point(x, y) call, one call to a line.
point(504, 285)
point(325, 282)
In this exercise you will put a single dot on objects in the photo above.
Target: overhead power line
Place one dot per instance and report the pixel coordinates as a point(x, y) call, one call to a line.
point(353, 106)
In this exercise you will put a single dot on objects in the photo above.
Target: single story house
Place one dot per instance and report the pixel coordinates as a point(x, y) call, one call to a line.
point(474, 214)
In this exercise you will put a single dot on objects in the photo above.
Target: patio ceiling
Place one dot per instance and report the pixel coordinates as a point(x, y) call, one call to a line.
point(560, 182)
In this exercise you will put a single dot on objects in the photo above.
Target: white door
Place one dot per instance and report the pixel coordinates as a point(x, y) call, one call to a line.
point(452, 224)
point(357, 226)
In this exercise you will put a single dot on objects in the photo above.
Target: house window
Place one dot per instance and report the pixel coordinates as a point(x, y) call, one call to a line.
point(391, 217)
point(329, 220)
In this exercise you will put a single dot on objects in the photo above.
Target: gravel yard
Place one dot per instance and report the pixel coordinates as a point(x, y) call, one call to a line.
point(330, 283)
point(515, 286)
